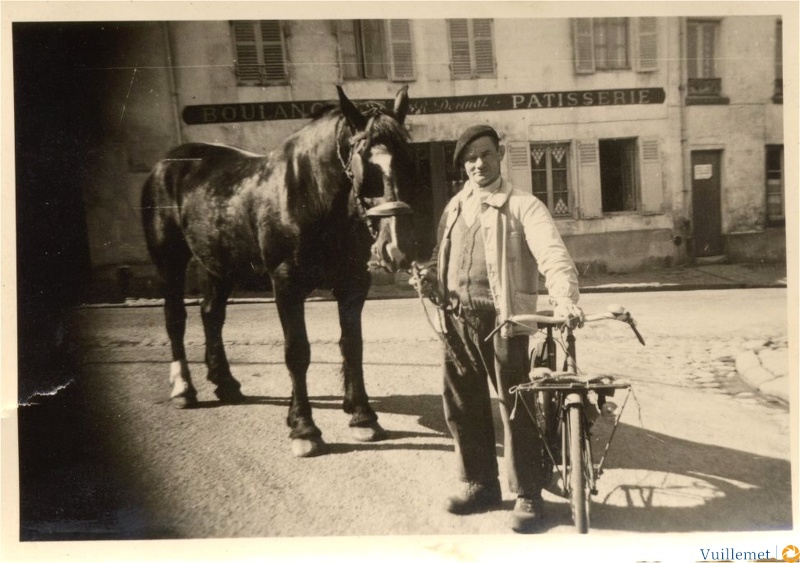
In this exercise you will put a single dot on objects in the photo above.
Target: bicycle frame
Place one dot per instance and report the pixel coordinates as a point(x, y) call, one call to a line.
point(561, 408)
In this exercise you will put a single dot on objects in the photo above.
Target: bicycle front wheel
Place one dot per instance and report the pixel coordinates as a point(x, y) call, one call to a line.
point(579, 487)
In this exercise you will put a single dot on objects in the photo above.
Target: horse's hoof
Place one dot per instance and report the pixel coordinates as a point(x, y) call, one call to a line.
point(308, 447)
point(372, 433)
point(229, 394)
point(184, 401)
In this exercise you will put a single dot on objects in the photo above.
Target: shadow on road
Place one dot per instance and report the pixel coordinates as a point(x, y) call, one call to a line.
point(659, 483)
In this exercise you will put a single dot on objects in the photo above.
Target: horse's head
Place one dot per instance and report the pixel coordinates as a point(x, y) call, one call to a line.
point(381, 169)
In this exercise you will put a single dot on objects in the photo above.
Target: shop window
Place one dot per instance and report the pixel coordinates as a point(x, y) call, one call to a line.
point(471, 48)
point(609, 44)
point(775, 186)
point(618, 179)
point(375, 49)
point(260, 52)
point(702, 61)
point(550, 177)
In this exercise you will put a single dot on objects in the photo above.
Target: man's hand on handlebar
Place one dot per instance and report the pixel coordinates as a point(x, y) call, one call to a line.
point(564, 308)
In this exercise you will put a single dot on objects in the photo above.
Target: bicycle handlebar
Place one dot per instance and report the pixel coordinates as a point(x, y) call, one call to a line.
point(614, 313)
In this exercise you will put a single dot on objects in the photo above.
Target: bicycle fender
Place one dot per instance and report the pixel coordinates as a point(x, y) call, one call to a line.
point(572, 399)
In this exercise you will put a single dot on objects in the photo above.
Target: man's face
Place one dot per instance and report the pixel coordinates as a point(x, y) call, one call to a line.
point(482, 161)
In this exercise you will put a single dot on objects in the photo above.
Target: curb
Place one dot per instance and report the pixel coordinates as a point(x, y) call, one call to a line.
point(397, 291)
point(762, 366)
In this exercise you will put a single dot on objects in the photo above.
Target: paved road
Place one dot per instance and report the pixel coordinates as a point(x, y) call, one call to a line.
point(695, 451)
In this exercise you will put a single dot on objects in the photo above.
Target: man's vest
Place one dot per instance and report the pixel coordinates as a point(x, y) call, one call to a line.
point(468, 277)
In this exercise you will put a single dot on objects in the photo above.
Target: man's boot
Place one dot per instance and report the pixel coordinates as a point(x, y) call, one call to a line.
point(475, 498)
point(528, 514)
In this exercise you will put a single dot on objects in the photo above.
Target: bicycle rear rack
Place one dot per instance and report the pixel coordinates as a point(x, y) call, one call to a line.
point(568, 383)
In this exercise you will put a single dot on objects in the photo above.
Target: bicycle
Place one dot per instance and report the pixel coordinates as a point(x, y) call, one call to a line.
point(565, 405)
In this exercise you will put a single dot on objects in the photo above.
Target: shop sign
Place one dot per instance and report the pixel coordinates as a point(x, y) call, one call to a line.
point(272, 111)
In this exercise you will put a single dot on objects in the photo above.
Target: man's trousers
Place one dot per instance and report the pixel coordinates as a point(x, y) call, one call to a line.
point(468, 407)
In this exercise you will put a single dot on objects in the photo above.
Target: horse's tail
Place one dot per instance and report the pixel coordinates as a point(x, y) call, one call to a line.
point(161, 211)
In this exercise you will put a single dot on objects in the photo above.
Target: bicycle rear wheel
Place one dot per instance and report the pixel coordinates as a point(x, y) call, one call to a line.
point(579, 495)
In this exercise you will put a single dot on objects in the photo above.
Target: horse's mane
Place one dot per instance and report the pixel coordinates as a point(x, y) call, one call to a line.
point(386, 129)
point(323, 110)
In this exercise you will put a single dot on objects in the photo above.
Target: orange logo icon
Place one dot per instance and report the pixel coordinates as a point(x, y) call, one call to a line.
point(791, 554)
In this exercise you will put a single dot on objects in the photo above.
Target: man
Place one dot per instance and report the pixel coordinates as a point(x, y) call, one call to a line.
point(491, 239)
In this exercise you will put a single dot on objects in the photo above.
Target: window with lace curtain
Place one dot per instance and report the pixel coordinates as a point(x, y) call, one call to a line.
point(371, 49)
point(702, 62)
point(615, 44)
point(550, 177)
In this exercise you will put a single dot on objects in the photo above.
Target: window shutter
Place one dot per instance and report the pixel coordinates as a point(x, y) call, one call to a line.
point(692, 56)
point(647, 45)
point(519, 166)
point(272, 46)
point(346, 39)
point(589, 195)
point(652, 186)
point(484, 48)
point(401, 49)
point(244, 38)
point(583, 45)
point(779, 50)
point(460, 62)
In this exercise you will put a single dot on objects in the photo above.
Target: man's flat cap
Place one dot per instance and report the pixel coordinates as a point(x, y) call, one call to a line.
point(474, 132)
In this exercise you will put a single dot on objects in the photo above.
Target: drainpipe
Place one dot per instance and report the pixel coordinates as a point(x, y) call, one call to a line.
point(172, 84)
point(686, 225)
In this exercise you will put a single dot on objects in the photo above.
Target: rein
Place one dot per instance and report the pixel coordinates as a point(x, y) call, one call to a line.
point(358, 144)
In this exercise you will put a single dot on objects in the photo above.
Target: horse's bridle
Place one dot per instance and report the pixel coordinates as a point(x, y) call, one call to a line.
point(358, 144)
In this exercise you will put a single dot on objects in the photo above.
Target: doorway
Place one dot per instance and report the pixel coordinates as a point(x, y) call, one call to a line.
point(437, 183)
point(618, 175)
point(706, 203)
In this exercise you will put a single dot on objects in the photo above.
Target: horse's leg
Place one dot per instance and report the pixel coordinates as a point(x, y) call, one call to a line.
point(173, 277)
point(306, 437)
point(212, 310)
point(364, 422)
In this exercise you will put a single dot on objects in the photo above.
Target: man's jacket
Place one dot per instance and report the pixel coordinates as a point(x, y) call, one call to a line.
point(521, 240)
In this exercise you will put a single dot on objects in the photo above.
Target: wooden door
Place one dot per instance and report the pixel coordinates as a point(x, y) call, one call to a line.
point(706, 203)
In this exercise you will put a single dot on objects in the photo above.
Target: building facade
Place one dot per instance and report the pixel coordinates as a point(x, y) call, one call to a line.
point(653, 141)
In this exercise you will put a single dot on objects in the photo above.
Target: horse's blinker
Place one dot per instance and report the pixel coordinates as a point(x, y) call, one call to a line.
point(358, 145)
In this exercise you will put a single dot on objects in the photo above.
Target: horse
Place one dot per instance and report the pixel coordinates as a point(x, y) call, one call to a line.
point(317, 212)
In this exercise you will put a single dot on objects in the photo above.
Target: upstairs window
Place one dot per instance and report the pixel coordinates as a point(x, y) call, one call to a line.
point(471, 48)
point(260, 52)
point(702, 62)
point(610, 44)
point(775, 186)
point(777, 95)
point(371, 49)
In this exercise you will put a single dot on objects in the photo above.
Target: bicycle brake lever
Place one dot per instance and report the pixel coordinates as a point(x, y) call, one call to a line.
point(632, 324)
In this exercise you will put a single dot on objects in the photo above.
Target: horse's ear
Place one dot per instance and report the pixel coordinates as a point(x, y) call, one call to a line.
point(350, 111)
point(401, 104)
